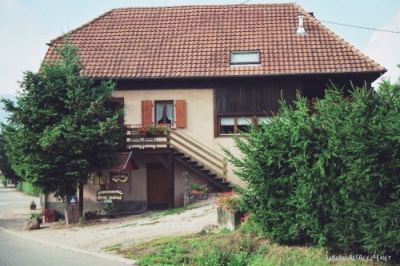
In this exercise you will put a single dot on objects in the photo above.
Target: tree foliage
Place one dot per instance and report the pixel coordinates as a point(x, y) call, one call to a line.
point(62, 126)
point(328, 176)
point(5, 166)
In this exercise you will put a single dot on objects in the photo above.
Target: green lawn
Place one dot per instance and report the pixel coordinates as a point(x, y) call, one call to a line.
point(224, 248)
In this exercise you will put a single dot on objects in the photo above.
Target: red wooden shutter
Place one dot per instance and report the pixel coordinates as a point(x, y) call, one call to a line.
point(147, 108)
point(180, 106)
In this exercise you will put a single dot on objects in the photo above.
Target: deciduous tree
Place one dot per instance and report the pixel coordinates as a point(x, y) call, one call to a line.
point(62, 126)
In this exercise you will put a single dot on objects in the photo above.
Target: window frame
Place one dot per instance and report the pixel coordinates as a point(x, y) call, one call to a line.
point(220, 125)
point(254, 122)
point(235, 123)
point(173, 112)
point(250, 63)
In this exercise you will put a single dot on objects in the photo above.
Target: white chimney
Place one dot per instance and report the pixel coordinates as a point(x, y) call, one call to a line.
point(300, 29)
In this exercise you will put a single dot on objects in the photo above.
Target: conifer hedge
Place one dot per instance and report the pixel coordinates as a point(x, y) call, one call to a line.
point(328, 176)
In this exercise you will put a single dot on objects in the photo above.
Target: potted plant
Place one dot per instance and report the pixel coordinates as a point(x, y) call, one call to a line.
point(228, 210)
point(33, 205)
point(199, 192)
point(142, 130)
point(33, 222)
point(196, 188)
point(37, 217)
point(155, 131)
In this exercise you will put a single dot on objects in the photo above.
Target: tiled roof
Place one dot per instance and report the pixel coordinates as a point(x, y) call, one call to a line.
point(195, 41)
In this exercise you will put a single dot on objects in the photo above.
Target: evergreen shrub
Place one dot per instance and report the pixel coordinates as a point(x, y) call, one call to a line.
point(327, 175)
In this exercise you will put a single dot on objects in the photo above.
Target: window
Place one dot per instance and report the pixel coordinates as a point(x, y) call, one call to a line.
point(243, 124)
point(227, 125)
point(164, 112)
point(235, 125)
point(245, 58)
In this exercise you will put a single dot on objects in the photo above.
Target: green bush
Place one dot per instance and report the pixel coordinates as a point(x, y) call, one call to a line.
point(3, 180)
point(28, 188)
point(330, 176)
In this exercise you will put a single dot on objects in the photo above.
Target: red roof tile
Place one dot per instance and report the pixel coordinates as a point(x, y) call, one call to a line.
point(195, 41)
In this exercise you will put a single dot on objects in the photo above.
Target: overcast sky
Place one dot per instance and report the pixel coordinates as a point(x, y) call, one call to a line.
point(27, 25)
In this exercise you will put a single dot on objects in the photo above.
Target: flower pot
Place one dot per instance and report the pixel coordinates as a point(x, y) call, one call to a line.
point(197, 192)
point(33, 206)
point(228, 218)
point(196, 195)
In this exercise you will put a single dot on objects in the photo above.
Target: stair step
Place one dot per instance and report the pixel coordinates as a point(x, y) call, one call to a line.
point(203, 170)
point(192, 162)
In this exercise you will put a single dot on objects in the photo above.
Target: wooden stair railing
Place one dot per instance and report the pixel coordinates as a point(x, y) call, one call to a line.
point(198, 151)
point(136, 138)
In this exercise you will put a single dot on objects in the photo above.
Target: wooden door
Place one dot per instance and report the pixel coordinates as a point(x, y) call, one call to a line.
point(158, 187)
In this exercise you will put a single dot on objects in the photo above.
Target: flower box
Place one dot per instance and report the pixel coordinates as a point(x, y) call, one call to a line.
point(228, 211)
point(228, 218)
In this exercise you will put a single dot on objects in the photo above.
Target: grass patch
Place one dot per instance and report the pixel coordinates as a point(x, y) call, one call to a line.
point(226, 248)
point(112, 248)
point(234, 248)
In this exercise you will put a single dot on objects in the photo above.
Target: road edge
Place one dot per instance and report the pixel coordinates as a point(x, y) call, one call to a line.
point(92, 253)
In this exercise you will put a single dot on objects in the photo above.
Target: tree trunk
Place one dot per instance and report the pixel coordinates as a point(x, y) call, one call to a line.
point(66, 211)
point(80, 199)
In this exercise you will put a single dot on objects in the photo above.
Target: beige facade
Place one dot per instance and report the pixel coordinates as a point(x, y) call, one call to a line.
point(199, 115)
point(199, 126)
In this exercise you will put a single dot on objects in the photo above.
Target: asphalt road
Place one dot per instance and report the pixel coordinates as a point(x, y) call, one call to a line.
point(14, 208)
point(17, 250)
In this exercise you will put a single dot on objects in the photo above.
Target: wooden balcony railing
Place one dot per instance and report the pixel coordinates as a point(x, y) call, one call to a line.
point(136, 137)
point(163, 138)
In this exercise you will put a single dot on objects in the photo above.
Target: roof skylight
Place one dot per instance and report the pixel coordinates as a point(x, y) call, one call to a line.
point(245, 57)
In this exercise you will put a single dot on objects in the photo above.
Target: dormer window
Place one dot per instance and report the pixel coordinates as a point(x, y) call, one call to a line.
point(245, 57)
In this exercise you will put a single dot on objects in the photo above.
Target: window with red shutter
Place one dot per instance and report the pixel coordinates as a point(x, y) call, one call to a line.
point(147, 107)
point(180, 113)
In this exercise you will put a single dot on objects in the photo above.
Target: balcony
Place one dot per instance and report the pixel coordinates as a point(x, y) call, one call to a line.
point(153, 137)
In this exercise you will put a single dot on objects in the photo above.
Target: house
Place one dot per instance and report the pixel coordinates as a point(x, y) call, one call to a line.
point(191, 77)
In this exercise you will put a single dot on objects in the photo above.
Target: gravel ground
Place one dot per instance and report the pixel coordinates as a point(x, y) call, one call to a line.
point(133, 229)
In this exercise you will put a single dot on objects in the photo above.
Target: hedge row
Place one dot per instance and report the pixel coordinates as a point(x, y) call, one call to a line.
point(28, 188)
point(328, 176)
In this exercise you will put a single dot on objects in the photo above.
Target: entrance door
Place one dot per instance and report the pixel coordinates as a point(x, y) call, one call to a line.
point(158, 187)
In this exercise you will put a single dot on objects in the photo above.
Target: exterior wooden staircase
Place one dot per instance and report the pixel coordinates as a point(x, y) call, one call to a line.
point(202, 160)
